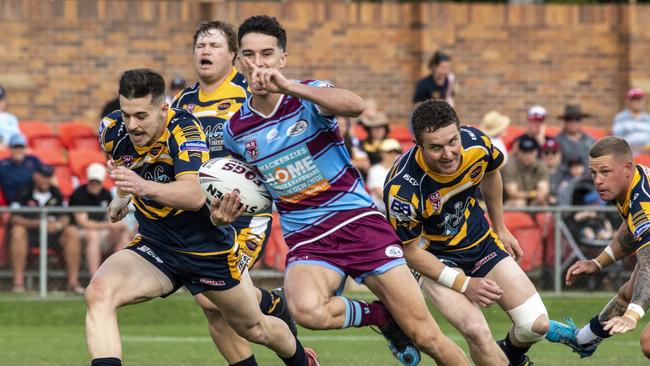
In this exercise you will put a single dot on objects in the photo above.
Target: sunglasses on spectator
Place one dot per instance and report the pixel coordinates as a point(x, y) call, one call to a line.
point(550, 152)
point(574, 119)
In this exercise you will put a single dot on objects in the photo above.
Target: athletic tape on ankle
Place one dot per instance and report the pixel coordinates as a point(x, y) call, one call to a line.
point(605, 258)
point(453, 279)
point(634, 312)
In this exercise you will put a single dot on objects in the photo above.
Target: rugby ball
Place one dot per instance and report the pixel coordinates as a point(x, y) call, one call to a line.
point(222, 175)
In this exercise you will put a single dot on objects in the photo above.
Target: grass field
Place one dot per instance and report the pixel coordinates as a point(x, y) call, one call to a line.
point(172, 332)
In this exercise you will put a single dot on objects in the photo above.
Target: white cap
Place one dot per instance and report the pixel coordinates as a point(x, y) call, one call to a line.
point(537, 113)
point(96, 171)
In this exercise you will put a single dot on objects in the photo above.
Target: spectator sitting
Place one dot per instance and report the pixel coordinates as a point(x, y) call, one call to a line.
point(574, 171)
point(390, 150)
point(535, 127)
point(440, 84)
point(176, 86)
point(95, 227)
point(376, 126)
point(574, 143)
point(358, 157)
point(17, 170)
point(8, 122)
point(552, 157)
point(493, 124)
point(633, 123)
point(25, 229)
point(525, 177)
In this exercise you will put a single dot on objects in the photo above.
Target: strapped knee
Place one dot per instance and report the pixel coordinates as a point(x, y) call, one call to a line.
point(524, 316)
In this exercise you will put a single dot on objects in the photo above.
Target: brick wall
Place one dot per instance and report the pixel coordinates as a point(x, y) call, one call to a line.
point(61, 59)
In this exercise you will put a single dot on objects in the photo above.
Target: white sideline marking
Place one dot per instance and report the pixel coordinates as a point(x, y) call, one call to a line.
point(307, 338)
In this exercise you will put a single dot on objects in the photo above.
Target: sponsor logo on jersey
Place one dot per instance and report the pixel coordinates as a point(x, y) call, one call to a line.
point(410, 179)
point(194, 145)
point(435, 200)
point(212, 282)
point(297, 128)
point(223, 106)
point(252, 149)
point(482, 262)
point(272, 134)
point(401, 211)
point(126, 161)
point(146, 250)
point(475, 172)
point(393, 251)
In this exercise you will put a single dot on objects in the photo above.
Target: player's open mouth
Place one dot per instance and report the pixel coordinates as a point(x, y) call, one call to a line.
point(136, 134)
point(205, 62)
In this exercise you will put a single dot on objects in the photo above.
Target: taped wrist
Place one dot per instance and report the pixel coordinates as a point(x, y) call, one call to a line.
point(605, 258)
point(634, 312)
point(453, 279)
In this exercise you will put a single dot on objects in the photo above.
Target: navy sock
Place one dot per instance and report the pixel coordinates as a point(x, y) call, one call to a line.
point(298, 359)
point(247, 362)
point(106, 361)
point(266, 302)
point(514, 353)
point(597, 328)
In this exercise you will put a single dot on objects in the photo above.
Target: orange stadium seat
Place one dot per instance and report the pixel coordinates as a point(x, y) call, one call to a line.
point(80, 158)
point(595, 132)
point(525, 230)
point(40, 134)
point(643, 159)
point(553, 130)
point(51, 156)
point(70, 132)
point(4, 153)
point(276, 249)
point(63, 177)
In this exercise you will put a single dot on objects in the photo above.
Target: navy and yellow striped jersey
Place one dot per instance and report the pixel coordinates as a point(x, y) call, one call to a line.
point(636, 208)
point(214, 108)
point(180, 150)
point(441, 208)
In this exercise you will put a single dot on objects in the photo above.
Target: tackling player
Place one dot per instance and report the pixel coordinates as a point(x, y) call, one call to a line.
point(430, 195)
point(617, 179)
point(156, 152)
point(218, 94)
point(288, 132)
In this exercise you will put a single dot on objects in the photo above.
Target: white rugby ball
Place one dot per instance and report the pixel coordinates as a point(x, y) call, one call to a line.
point(222, 175)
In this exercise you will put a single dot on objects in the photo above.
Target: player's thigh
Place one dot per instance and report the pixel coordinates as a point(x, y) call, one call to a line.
point(309, 286)
point(457, 309)
point(400, 292)
point(127, 278)
point(516, 286)
point(205, 303)
point(238, 304)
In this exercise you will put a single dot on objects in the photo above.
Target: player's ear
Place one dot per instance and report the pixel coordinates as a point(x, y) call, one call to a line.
point(283, 60)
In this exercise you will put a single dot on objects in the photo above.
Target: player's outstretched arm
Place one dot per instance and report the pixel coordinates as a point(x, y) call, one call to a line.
point(492, 191)
point(640, 297)
point(183, 194)
point(480, 291)
point(622, 245)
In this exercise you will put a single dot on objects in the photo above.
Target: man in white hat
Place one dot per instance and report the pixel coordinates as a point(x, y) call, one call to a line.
point(535, 128)
point(493, 124)
point(99, 233)
point(389, 150)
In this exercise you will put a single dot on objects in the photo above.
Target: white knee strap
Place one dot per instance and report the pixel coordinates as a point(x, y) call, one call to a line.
point(523, 317)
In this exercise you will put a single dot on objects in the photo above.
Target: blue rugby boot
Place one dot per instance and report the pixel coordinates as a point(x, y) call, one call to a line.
point(559, 332)
point(401, 347)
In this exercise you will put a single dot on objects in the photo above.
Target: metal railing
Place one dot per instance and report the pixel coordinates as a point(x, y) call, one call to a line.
point(560, 230)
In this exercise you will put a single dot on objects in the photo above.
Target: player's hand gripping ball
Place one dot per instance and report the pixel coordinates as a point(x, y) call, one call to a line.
point(222, 175)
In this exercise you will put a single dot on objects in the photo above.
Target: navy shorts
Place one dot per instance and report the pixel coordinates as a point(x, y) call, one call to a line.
point(197, 273)
point(478, 260)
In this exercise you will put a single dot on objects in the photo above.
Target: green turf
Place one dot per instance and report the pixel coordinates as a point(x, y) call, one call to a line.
point(173, 332)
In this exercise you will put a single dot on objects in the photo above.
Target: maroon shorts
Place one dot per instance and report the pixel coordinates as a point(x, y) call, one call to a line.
point(365, 247)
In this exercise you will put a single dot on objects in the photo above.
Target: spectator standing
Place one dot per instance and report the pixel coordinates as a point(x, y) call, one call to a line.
point(440, 84)
point(633, 123)
point(525, 177)
point(574, 142)
point(389, 150)
point(25, 229)
point(17, 170)
point(552, 158)
point(535, 127)
point(376, 125)
point(8, 122)
point(95, 227)
point(493, 124)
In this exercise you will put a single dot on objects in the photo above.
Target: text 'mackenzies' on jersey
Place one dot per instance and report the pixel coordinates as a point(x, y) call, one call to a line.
point(181, 149)
point(635, 211)
point(215, 108)
point(303, 161)
point(441, 208)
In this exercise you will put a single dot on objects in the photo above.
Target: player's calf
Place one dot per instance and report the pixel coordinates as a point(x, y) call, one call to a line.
point(645, 341)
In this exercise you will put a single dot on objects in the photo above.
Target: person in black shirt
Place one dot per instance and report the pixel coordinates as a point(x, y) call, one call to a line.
point(439, 84)
point(25, 229)
point(95, 227)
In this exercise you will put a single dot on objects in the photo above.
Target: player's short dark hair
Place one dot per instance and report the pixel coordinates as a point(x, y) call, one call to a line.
point(266, 25)
point(611, 145)
point(226, 29)
point(139, 83)
point(437, 58)
point(432, 115)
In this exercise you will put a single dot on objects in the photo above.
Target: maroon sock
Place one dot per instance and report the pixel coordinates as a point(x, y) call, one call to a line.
point(360, 314)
